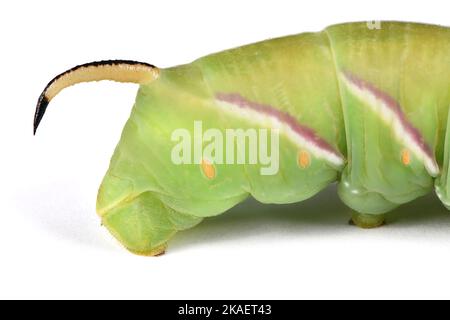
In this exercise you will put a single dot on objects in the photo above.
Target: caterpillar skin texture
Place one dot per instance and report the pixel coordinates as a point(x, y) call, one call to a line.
point(366, 108)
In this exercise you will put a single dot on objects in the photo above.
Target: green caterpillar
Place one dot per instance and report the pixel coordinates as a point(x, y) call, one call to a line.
point(364, 107)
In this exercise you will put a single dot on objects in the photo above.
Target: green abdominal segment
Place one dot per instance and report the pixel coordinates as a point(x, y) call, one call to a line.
point(145, 198)
point(394, 86)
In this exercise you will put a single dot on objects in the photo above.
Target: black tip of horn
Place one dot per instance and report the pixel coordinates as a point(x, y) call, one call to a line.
point(40, 111)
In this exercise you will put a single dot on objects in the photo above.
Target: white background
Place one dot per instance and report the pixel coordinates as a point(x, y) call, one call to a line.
point(51, 242)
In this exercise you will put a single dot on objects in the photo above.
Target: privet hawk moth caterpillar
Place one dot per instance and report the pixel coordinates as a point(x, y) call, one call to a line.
point(366, 108)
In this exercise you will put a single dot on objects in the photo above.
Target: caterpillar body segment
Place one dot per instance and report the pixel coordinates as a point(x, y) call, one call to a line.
point(367, 108)
point(396, 125)
point(442, 182)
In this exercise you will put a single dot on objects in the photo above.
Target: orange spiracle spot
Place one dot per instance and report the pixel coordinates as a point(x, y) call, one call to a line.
point(208, 169)
point(303, 159)
point(406, 157)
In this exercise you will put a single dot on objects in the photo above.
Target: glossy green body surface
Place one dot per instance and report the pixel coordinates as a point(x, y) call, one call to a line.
point(365, 107)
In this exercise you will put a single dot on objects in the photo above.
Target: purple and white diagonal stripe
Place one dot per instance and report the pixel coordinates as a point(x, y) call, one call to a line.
point(266, 115)
point(390, 111)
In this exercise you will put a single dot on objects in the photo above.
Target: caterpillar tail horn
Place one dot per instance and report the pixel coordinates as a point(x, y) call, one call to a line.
point(114, 70)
